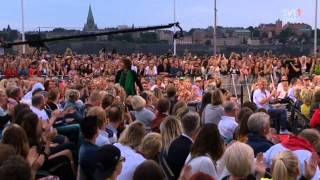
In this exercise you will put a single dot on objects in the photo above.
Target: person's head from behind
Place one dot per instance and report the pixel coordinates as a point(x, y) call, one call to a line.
point(201, 176)
point(250, 105)
point(259, 123)
point(179, 105)
point(148, 170)
point(138, 103)
point(18, 111)
point(206, 99)
point(217, 97)
point(95, 98)
point(108, 162)
point(38, 101)
point(15, 168)
point(171, 92)
point(239, 160)
point(231, 109)
point(6, 151)
point(285, 166)
point(190, 124)
point(33, 128)
point(72, 95)
point(115, 115)
point(163, 105)
point(243, 118)
point(89, 128)
point(54, 95)
point(14, 92)
point(107, 101)
point(202, 146)
point(307, 97)
point(170, 129)
point(151, 145)
point(316, 96)
point(132, 136)
point(14, 135)
point(100, 114)
point(311, 135)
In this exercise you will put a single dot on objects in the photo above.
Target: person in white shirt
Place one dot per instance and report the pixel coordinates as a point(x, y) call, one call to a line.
point(151, 69)
point(129, 141)
point(205, 155)
point(228, 124)
point(262, 98)
point(38, 104)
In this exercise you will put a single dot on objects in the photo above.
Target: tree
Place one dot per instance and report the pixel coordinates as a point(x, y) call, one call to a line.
point(58, 30)
point(285, 35)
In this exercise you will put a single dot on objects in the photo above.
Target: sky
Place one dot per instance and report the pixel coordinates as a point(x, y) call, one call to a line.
point(190, 13)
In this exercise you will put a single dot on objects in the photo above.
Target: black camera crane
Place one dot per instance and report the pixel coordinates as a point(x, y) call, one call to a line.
point(40, 42)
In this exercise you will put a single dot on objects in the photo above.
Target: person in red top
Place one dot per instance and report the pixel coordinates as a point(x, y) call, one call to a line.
point(163, 106)
point(11, 71)
point(315, 120)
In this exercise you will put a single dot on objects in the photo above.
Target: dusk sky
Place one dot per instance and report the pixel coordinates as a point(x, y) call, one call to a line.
point(190, 13)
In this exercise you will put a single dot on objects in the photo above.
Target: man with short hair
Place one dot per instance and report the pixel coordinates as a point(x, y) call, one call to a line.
point(94, 99)
point(14, 94)
point(180, 147)
point(163, 108)
point(262, 98)
point(259, 127)
point(89, 129)
point(38, 105)
point(115, 116)
point(227, 125)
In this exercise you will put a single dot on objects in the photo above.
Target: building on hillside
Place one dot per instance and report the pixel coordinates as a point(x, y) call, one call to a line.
point(297, 26)
point(271, 27)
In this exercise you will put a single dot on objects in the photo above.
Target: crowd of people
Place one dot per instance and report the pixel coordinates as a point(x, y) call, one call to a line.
point(140, 117)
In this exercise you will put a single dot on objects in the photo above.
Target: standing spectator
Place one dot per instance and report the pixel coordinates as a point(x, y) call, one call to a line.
point(151, 145)
point(180, 148)
point(163, 106)
point(103, 137)
point(213, 112)
point(148, 170)
point(128, 78)
point(259, 127)
point(38, 105)
point(115, 115)
point(170, 130)
point(227, 125)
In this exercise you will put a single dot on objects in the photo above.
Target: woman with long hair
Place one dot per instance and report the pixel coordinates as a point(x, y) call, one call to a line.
point(205, 154)
point(170, 129)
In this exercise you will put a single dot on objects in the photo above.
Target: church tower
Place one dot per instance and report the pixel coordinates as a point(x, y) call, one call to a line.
point(90, 25)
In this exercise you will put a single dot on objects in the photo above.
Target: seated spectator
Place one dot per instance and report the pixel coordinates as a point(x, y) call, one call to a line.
point(170, 129)
point(227, 125)
point(14, 94)
point(151, 145)
point(115, 115)
point(213, 112)
point(286, 166)
point(88, 148)
point(94, 100)
point(239, 161)
point(129, 142)
point(303, 146)
point(259, 128)
point(141, 113)
point(180, 147)
point(103, 137)
point(72, 103)
point(109, 163)
point(38, 105)
point(205, 155)
point(241, 133)
point(262, 98)
point(316, 102)
point(163, 106)
point(307, 100)
point(5, 109)
point(27, 97)
point(53, 100)
point(148, 170)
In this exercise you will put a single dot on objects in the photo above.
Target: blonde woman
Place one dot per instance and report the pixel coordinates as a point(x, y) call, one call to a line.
point(286, 167)
point(307, 101)
point(170, 129)
point(129, 142)
point(151, 146)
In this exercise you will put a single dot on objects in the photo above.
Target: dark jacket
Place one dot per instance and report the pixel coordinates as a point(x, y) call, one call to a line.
point(86, 158)
point(258, 143)
point(178, 153)
point(135, 77)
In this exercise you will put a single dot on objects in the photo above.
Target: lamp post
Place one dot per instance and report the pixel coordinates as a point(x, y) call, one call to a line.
point(22, 28)
point(174, 29)
point(215, 29)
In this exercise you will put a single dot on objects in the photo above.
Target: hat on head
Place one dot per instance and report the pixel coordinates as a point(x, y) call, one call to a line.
point(107, 159)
